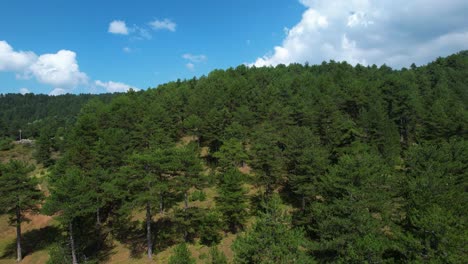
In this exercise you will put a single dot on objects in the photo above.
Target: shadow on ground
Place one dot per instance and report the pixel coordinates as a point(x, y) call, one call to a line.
point(133, 235)
point(34, 240)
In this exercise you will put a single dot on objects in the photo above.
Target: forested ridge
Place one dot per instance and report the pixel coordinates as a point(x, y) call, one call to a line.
point(327, 163)
point(31, 112)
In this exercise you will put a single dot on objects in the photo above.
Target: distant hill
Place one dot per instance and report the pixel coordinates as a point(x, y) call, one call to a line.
point(29, 112)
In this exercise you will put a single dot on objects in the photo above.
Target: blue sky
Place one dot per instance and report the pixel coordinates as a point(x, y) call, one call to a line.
point(55, 47)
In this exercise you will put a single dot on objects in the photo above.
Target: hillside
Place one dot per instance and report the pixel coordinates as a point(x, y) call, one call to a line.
point(327, 163)
point(33, 112)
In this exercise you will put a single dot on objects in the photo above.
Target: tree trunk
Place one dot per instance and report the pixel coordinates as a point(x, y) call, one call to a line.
point(161, 204)
point(185, 201)
point(72, 243)
point(148, 231)
point(19, 255)
point(98, 217)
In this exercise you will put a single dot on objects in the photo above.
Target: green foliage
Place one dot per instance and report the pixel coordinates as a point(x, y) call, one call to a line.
point(371, 160)
point(267, 158)
point(33, 112)
point(216, 257)
point(6, 144)
point(272, 239)
point(352, 219)
point(232, 200)
point(198, 195)
point(435, 191)
point(231, 154)
point(70, 194)
point(307, 161)
point(181, 255)
point(18, 190)
point(210, 228)
point(59, 253)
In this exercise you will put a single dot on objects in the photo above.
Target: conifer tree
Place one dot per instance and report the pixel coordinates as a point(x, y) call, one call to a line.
point(72, 197)
point(267, 159)
point(272, 239)
point(19, 194)
point(231, 154)
point(216, 256)
point(307, 160)
point(354, 210)
point(435, 201)
point(181, 255)
point(231, 199)
point(148, 175)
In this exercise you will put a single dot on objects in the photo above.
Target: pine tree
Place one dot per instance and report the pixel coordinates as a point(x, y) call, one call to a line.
point(272, 239)
point(267, 159)
point(232, 199)
point(231, 154)
point(19, 194)
point(354, 210)
point(72, 196)
point(148, 177)
point(216, 256)
point(307, 161)
point(181, 255)
point(435, 199)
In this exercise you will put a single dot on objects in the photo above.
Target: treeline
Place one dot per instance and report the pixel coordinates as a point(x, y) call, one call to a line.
point(32, 112)
point(348, 165)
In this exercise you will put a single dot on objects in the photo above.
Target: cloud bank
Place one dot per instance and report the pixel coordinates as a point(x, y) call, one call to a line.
point(395, 32)
point(59, 70)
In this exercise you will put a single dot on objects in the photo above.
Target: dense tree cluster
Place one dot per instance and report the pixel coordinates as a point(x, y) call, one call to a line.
point(345, 165)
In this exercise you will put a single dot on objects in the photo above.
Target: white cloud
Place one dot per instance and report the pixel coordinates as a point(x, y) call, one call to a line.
point(11, 60)
point(57, 91)
point(127, 49)
point(396, 32)
point(194, 58)
point(190, 66)
point(24, 91)
point(163, 24)
point(118, 27)
point(59, 70)
point(115, 87)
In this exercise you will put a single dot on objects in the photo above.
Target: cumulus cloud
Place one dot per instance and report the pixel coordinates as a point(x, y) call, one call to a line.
point(57, 91)
point(394, 32)
point(59, 70)
point(166, 24)
point(11, 60)
point(115, 87)
point(24, 91)
point(118, 27)
point(56, 69)
point(194, 58)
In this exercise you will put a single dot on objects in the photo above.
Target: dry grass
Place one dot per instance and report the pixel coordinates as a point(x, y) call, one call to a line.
point(120, 253)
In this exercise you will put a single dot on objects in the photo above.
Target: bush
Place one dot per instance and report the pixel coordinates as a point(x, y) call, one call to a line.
point(181, 255)
point(217, 257)
point(198, 196)
point(5, 144)
point(210, 228)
